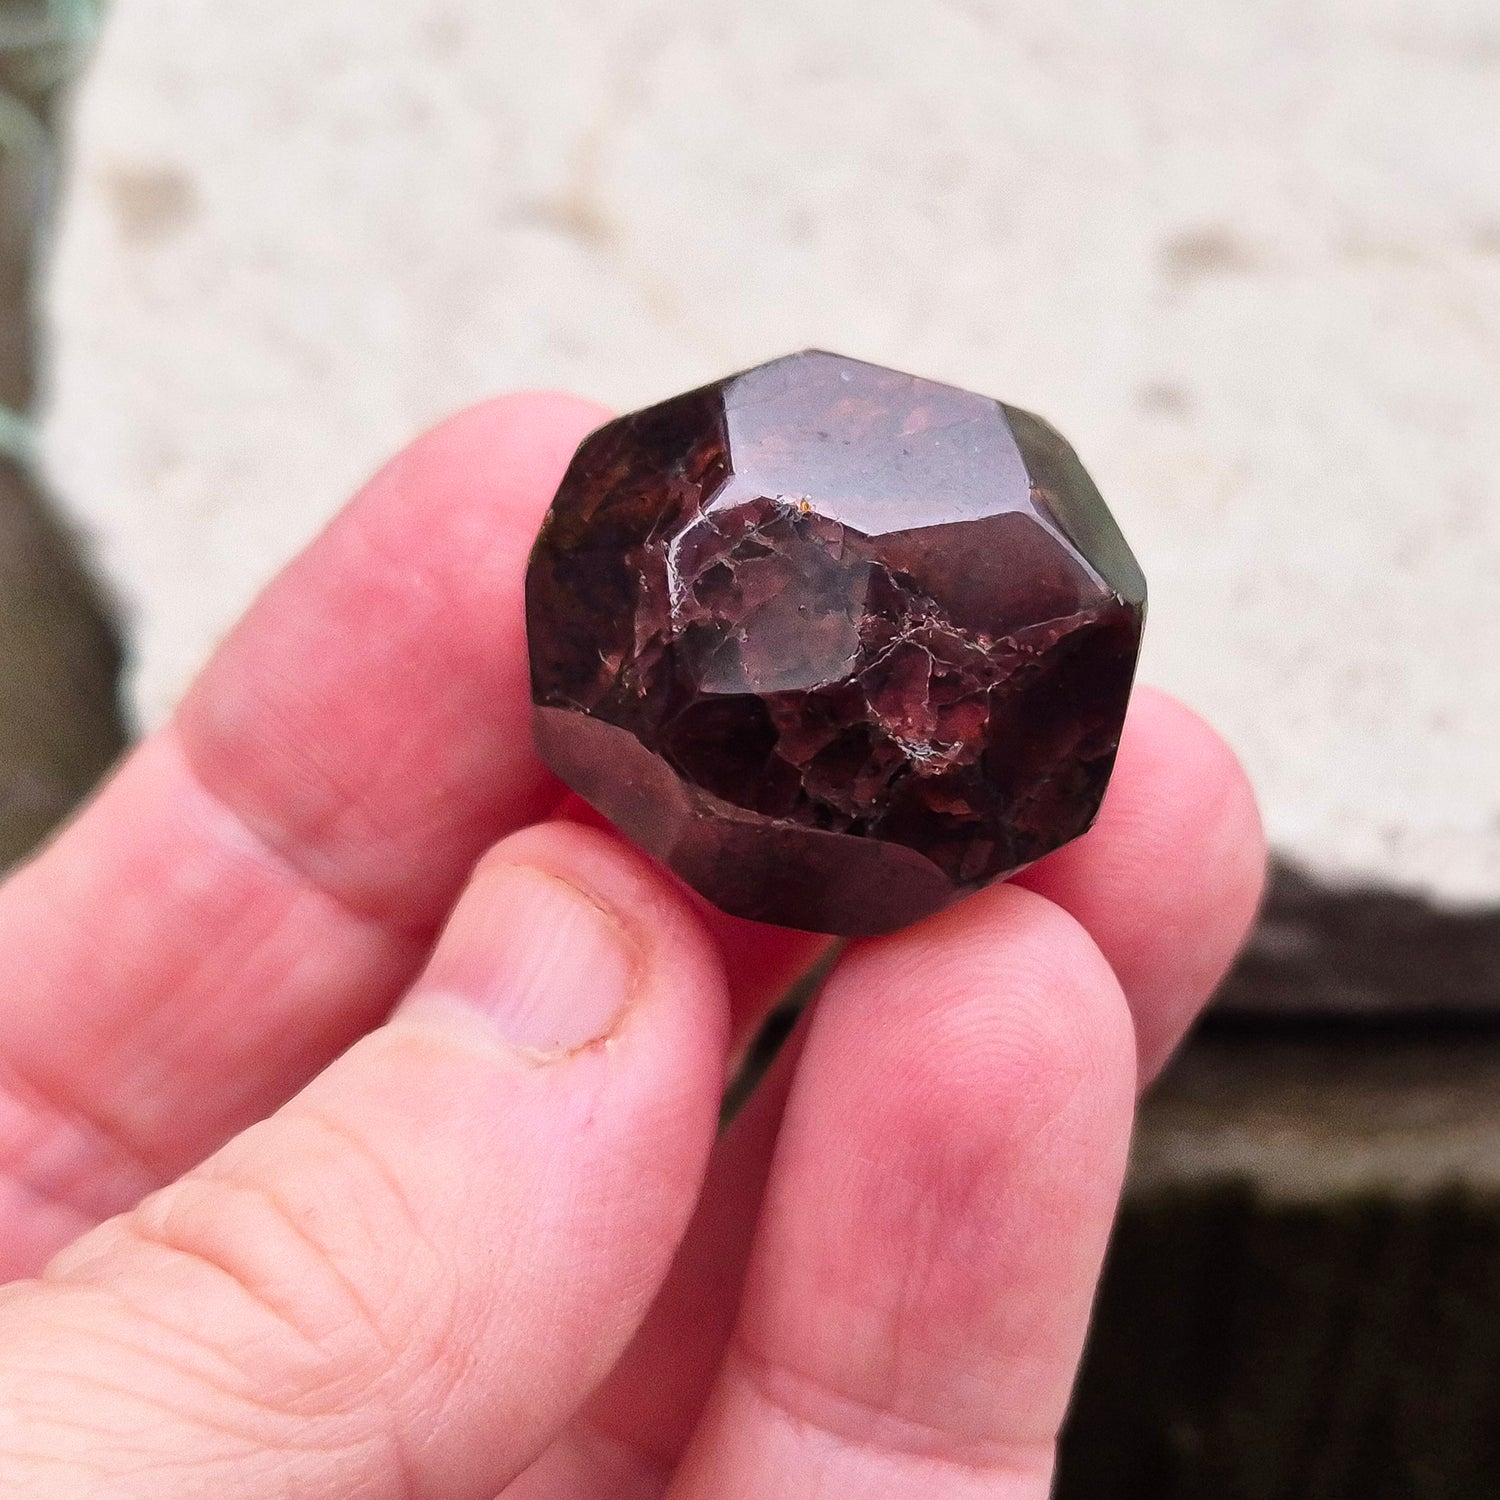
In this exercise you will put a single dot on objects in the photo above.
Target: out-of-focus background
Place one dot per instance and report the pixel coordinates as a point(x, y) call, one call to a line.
point(1245, 253)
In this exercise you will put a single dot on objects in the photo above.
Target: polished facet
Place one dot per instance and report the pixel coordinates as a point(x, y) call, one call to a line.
point(835, 643)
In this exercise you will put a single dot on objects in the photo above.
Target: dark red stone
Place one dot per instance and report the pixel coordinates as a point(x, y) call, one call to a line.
point(834, 643)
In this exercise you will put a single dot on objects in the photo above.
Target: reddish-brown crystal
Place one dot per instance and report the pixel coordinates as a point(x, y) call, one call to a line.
point(834, 643)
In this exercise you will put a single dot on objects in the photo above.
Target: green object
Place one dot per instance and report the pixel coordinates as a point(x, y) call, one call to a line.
point(60, 722)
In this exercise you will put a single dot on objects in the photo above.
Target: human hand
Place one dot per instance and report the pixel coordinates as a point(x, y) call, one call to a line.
point(346, 1167)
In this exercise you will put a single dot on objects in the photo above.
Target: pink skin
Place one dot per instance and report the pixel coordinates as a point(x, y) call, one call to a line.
point(411, 1153)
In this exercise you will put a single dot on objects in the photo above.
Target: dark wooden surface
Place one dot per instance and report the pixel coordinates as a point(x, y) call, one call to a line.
point(1303, 1297)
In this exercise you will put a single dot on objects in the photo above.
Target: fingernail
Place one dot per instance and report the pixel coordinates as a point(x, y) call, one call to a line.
point(544, 962)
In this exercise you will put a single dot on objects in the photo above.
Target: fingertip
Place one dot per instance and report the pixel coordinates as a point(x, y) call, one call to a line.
point(1188, 802)
point(761, 962)
point(944, 1181)
point(1169, 879)
point(521, 440)
point(1180, 793)
point(676, 952)
point(1067, 1036)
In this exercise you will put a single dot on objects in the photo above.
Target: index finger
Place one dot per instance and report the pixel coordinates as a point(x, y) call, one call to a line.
point(262, 877)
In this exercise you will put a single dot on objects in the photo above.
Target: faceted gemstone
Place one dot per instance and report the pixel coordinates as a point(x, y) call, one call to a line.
point(834, 643)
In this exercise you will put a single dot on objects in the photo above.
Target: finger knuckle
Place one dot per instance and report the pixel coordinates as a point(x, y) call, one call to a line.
point(324, 1290)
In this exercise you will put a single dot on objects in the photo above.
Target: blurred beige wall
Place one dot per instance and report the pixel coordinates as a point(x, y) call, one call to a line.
point(1246, 253)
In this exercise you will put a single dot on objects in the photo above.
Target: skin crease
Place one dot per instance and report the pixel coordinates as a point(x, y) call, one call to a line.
point(341, 1157)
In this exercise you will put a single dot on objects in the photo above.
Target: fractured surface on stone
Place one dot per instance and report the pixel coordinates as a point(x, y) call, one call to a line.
point(836, 643)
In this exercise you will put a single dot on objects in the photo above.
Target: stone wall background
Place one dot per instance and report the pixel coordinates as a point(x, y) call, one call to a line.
point(1246, 253)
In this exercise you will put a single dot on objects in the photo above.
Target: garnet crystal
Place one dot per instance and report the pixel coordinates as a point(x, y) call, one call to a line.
point(834, 643)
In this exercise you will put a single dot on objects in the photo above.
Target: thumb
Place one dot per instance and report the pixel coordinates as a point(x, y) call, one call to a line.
point(406, 1280)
